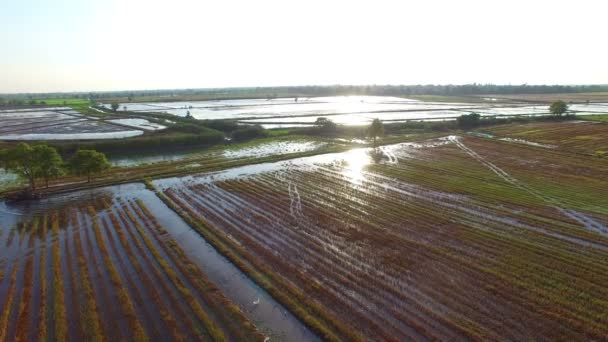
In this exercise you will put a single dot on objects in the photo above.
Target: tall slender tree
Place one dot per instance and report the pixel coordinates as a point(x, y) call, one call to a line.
point(376, 129)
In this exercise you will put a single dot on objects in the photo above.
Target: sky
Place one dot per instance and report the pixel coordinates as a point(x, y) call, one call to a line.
point(96, 45)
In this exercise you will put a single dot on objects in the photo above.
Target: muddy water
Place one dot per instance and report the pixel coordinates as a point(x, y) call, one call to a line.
point(268, 315)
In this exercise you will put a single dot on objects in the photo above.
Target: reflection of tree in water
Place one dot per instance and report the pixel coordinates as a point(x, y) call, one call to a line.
point(35, 216)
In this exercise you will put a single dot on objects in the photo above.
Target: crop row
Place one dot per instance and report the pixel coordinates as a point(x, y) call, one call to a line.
point(107, 270)
point(401, 255)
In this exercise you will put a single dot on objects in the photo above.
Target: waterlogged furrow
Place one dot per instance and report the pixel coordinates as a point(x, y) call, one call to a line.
point(378, 247)
point(59, 314)
point(204, 290)
point(384, 279)
point(123, 296)
point(183, 288)
point(168, 286)
point(88, 307)
point(332, 267)
point(8, 303)
point(159, 279)
point(318, 265)
point(102, 268)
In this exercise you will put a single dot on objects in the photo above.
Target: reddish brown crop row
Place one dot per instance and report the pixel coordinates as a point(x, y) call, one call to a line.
point(437, 246)
point(580, 137)
point(106, 270)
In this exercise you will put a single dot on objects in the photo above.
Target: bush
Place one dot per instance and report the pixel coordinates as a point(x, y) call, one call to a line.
point(192, 128)
point(326, 125)
point(160, 141)
point(222, 125)
point(249, 132)
point(469, 120)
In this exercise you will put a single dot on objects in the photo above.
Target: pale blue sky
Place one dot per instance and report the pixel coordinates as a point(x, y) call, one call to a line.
point(70, 45)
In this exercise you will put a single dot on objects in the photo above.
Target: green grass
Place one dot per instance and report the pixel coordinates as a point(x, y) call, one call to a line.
point(65, 101)
point(598, 118)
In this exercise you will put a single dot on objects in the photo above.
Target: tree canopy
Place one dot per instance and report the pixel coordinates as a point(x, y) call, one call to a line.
point(376, 129)
point(88, 162)
point(325, 124)
point(48, 163)
point(467, 121)
point(31, 162)
point(558, 108)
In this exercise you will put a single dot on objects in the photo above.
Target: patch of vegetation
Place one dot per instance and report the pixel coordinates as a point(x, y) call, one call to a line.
point(598, 118)
point(558, 107)
point(468, 121)
point(43, 162)
point(249, 132)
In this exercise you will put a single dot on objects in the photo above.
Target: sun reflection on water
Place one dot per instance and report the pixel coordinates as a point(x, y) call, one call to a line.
point(354, 163)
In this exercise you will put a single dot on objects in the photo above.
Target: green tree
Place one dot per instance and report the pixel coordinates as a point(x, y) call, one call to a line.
point(88, 162)
point(558, 107)
point(114, 106)
point(21, 160)
point(32, 162)
point(48, 162)
point(376, 129)
point(325, 124)
point(466, 121)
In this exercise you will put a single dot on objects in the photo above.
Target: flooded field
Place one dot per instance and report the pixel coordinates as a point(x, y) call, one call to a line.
point(139, 123)
point(116, 263)
point(452, 238)
point(581, 136)
point(227, 152)
point(255, 108)
point(348, 110)
point(58, 123)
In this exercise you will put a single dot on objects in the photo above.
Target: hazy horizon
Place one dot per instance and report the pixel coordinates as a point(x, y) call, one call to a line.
point(96, 45)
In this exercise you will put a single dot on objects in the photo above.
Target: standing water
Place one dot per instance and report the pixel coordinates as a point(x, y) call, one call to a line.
point(268, 315)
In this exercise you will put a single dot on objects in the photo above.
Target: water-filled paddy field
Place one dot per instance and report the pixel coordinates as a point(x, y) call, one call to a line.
point(116, 263)
point(63, 123)
point(579, 137)
point(349, 110)
point(258, 150)
point(451, 238)
point(457, 237)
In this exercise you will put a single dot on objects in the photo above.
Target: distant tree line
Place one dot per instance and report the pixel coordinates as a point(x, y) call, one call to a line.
point(303, 91)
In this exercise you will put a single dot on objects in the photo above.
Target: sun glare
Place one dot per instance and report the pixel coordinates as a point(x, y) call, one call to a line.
point(355, 162)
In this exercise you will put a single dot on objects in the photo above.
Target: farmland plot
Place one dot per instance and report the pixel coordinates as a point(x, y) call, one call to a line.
point(455, 238)
point(261, 108)
point(99, 265)
point(58, 124)
point(581, 137)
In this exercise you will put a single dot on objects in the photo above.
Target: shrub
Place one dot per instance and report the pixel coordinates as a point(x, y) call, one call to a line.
point(227, 126)
point(249, 132)
point(469, 120)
